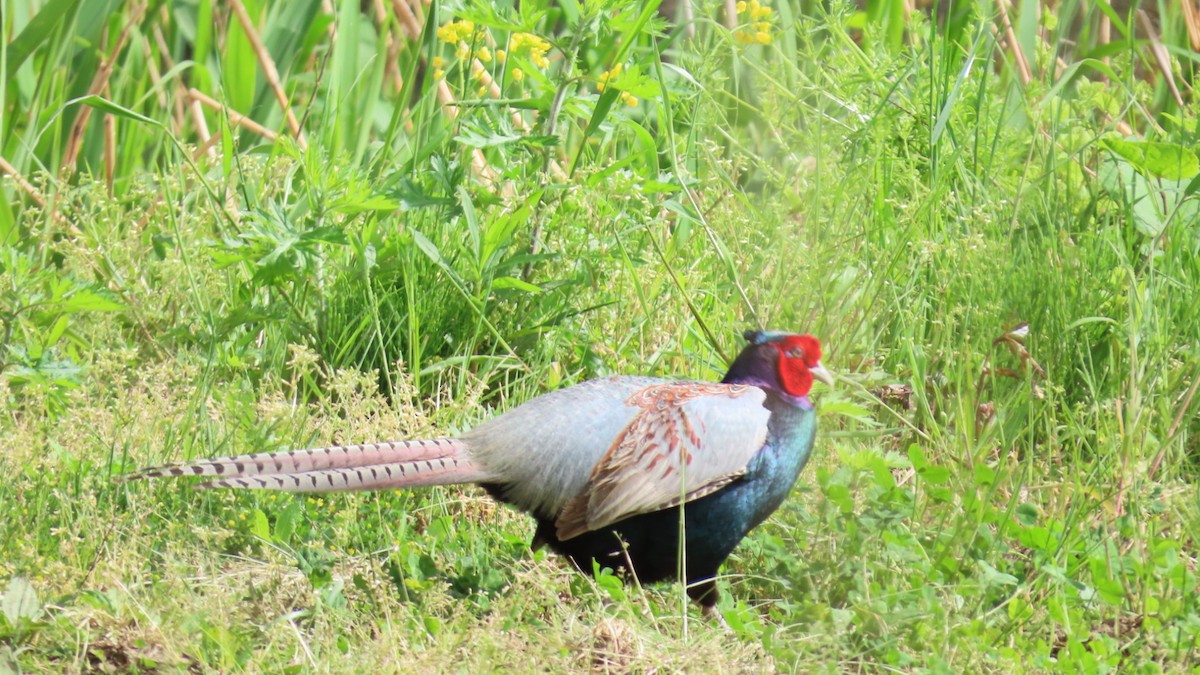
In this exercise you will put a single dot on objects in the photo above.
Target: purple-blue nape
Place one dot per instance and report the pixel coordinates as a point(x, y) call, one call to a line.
point(762, 337)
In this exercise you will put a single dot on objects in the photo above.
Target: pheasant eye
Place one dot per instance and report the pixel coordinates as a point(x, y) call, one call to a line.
point(794, 353)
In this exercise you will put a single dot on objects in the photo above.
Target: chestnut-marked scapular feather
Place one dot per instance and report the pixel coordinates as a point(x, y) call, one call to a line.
point(686, 440)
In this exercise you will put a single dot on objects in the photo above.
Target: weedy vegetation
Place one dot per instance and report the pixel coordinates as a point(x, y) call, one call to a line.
point(237, 226)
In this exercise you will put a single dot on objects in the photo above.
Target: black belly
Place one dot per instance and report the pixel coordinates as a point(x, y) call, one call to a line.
point(646, 546)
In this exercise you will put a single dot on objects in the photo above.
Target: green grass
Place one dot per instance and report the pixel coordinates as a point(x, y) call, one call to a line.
point(976, 502)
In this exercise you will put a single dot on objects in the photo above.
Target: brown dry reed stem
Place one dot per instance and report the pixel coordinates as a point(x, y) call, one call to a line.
point(1191, 18)
point(268, 66)
point(391, 70)
point(412, 25)
point(206, 139)
point(493, 89)
point(689, 19)
point(154, 73)
point(24, 185)
point(110, 152)
point(1010, 37)
point(1161, 58)
point(408, 18)
point(235, 118)
point(33, 194)
point(99, 83)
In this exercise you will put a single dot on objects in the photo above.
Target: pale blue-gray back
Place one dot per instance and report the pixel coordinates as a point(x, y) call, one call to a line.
point(607, 449)
point(545, 448)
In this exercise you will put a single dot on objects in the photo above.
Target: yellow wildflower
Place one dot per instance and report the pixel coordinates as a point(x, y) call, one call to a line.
point(518, 74)
point(460, 31)
point(629, 99)
point(501, 55)
point(439, 62)
point(608, 76)
point(535, 46)
point(759, 31)
point(484, 54)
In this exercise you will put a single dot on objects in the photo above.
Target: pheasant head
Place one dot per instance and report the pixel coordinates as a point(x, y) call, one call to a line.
point(785, 363)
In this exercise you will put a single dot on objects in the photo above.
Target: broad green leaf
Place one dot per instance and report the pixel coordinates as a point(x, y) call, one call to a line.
point(846, 409)
point(1161, 160)
point(203, 45)
point(511, 282)
point(260, 527)
point(343, 119)
point(1129, 188)
point(285, 523)
point(36, 33)
point(990, 576)
point(603, 105)
point(632, 31)
point(290, 33)
point(239, 68)
point(34, 366)
point(883, 474)
point(86, 300)
point(646, 146)
point(104, 105)
point(56, 331)
point(935, 475)
point(355, 203)
point(984, 474)
point(9, 231)
point(917, 457)
point(499, 232)
point(1027, 514)
point(20, 601)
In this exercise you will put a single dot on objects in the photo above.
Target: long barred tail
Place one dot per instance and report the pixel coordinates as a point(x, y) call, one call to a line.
point(339, 468)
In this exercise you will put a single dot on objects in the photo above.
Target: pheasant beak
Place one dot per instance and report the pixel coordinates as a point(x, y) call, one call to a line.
point(819, 373)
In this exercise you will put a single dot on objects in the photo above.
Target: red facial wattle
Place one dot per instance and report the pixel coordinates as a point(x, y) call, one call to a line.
point(797, 354)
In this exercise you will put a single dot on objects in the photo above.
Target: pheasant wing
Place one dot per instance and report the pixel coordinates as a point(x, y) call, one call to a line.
point(687, 440)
